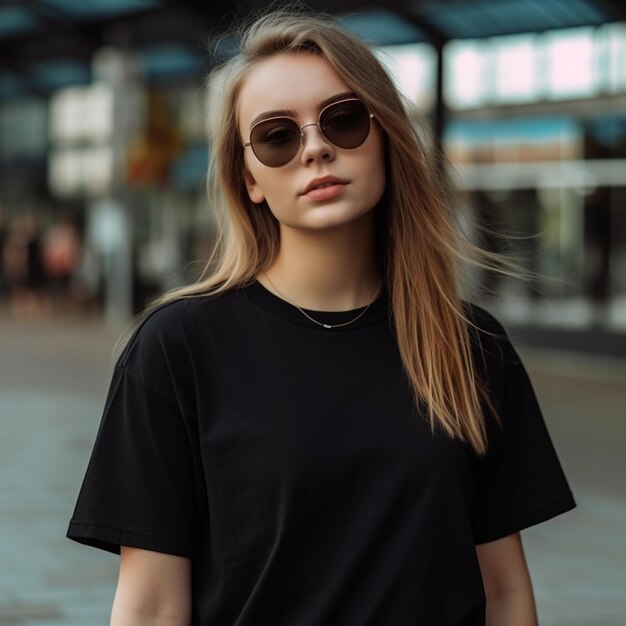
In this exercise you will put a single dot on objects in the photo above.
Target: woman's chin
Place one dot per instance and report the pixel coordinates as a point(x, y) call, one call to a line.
point(324, 218)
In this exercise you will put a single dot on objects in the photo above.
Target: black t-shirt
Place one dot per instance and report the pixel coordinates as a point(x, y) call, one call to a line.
point(289, 462)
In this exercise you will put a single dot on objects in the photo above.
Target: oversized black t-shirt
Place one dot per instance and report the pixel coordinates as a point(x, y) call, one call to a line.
point(290, 463)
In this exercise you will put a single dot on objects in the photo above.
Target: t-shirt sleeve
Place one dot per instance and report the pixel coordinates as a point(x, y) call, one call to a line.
point(520, 481)
point(141, 484)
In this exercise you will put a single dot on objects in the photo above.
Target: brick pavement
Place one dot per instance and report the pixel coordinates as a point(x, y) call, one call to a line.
point(53, 381)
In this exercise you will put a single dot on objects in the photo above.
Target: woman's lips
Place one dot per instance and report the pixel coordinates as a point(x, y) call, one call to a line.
point(326, 193)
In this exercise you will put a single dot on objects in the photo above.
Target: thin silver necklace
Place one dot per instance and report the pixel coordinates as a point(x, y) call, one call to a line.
point(322, 323)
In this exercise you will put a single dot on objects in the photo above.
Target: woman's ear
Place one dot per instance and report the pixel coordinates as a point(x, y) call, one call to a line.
point(254, 191)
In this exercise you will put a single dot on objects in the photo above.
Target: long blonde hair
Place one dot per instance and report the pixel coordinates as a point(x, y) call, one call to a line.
point(420, 247)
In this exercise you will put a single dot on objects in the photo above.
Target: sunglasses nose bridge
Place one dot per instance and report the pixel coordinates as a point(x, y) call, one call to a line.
point(322, 139)
point(303, 134)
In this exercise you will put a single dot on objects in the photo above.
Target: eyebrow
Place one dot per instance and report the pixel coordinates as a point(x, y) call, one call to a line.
point(291, 113)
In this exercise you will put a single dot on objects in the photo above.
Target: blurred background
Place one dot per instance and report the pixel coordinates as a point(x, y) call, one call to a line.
point(103, 156)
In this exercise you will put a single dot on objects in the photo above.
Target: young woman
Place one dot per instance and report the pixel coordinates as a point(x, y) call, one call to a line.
point(322, 431)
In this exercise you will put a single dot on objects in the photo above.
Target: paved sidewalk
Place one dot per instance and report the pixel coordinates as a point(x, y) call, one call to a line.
point(53, 382)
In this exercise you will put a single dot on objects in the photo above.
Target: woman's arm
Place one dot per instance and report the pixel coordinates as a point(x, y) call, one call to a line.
point(153, 589)
point(510, 600)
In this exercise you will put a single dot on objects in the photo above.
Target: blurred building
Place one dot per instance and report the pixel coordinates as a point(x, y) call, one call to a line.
point(539, 136)
point(102, 110)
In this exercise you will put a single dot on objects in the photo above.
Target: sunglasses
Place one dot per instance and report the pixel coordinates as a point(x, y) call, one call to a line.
point(276, 141)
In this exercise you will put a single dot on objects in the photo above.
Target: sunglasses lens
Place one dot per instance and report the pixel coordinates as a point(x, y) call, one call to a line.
point(275, 142)
point(346, 124)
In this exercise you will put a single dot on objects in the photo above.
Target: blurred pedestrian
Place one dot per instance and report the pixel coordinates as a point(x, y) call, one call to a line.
point(4, 234)
point(62, 255)
point(37, 280)
point(25, 276)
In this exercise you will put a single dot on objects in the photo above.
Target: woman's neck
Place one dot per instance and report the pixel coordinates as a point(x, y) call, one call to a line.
point(333, 270)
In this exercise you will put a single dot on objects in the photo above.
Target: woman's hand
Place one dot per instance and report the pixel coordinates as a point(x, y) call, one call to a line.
point(153, 589)
point(508, 588)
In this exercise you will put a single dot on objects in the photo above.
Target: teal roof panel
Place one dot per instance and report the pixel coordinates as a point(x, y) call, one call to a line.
point(462, 19)
point(16, 21)
point(61, 73)
point(169, 60)
point(381, 28)
point(97, 9)
point(9, 85)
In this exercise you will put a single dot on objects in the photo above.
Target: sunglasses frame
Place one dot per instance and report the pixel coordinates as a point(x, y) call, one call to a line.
point(301, 128)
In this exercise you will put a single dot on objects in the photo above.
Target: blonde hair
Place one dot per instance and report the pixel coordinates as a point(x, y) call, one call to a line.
point(419, 245)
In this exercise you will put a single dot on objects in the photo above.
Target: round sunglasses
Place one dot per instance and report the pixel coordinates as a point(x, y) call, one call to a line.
point(277, 140)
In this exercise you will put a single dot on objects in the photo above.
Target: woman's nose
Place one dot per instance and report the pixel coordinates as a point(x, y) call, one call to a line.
point(316, 146)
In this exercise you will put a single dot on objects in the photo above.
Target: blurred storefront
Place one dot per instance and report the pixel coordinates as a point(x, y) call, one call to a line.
point(123, 158)
point(540, 154)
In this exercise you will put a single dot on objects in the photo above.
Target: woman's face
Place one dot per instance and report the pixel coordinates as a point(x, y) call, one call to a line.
point(301, 83)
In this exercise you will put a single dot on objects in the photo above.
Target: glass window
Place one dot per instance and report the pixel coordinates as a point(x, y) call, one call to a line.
point(467, 77)
point(570, 58)
point(23, 128)
point(413, 69)
point(616, 53)
point(516, 76)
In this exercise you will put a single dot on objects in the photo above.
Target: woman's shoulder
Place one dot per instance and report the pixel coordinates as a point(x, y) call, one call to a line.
point(488, 335)
point(176, 325)
point(481, 317)
point(181, 311)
